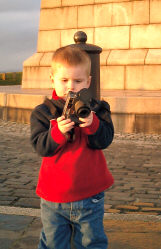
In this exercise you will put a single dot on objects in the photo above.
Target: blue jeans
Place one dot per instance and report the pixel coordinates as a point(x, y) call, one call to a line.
point(80, 221)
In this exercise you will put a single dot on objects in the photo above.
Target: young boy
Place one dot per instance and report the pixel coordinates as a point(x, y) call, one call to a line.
point(73, 174)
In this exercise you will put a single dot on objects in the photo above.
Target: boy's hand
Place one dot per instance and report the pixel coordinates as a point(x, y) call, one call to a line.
point(87, 121)
point(64, 125)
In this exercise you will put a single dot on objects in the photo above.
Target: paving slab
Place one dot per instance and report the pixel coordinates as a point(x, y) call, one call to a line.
point(133, 231)
point(20, 229)
point(12, 227)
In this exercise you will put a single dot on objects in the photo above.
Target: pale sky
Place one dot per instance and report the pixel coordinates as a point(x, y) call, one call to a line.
point(19, 24)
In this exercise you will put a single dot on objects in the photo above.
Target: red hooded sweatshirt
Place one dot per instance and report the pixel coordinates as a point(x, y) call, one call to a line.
point(70, 171)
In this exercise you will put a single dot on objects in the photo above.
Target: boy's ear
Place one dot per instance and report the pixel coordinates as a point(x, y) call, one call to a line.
point(52, 80)
point(51, 76)
point(89, 81)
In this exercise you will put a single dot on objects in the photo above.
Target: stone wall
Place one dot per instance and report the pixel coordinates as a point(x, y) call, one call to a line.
point(129, 33)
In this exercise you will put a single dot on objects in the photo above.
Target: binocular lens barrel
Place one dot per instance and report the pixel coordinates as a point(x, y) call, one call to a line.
point(81, 109)
point(83, 112)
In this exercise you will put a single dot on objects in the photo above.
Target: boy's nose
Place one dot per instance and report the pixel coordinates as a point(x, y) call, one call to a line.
point(71, 85)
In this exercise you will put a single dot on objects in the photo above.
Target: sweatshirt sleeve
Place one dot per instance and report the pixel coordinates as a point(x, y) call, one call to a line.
point(45, 137)
point(101, 131)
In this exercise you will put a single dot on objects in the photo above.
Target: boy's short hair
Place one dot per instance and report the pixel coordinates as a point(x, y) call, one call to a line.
point(71, 56)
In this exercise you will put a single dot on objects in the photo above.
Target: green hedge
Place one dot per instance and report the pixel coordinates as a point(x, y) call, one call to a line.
point(10, 78)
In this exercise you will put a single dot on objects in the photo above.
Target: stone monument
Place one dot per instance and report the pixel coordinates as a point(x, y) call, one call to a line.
point(129, 34)
point(127, 31)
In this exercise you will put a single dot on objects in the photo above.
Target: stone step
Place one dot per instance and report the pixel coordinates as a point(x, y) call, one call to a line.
point(121, 101)
point(132, 110)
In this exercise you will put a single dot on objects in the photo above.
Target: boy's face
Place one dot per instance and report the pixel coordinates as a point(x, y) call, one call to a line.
point(70, 78)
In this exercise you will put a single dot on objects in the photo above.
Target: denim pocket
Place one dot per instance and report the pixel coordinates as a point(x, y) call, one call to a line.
point(98, 197)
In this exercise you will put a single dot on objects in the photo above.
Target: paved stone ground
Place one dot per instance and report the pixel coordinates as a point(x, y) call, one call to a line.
point(124, 232)
point(134, 160)
point(22, 232)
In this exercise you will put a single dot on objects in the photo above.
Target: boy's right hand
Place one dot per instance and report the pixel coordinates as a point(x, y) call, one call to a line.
point(64, 125)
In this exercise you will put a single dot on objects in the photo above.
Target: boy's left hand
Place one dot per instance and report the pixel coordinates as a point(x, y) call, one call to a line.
point(86, 121)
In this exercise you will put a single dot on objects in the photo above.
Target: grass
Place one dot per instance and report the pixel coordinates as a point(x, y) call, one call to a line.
point(10, 79)
point(9, 82)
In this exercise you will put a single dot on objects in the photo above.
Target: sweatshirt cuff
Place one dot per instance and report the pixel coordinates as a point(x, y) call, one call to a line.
point(57, 136)
point(89, 130)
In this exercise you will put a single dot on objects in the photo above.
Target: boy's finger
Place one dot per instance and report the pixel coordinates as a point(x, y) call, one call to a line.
point(69, 124)
point(83, 125)
point(66, 121)
point(83, 119)
point(60, 118)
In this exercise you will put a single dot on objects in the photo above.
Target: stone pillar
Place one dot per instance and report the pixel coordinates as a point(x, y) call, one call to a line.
point(93, 51)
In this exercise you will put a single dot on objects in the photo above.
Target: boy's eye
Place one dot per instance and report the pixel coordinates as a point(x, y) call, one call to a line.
point(78, 81)
point(64, 80)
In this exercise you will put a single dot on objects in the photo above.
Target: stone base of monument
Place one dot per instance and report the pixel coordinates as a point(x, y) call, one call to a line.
point(132, 111)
